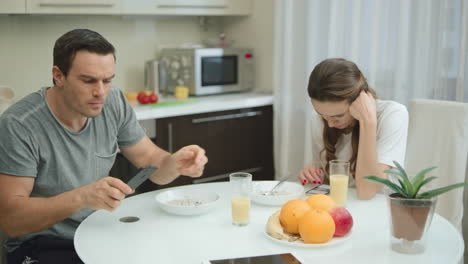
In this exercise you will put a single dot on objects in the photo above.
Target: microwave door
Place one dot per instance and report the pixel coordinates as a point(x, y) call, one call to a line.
point(219, 71)
point(216, 72)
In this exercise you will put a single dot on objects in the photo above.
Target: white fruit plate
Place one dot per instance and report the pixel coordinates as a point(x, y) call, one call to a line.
point(299, 243)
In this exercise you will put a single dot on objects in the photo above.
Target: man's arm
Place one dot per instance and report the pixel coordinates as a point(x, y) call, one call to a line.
point(22, 214)
point(189, 160)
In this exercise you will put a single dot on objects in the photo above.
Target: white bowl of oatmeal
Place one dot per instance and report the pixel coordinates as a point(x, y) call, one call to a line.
point(286, 191)
point(187, 202)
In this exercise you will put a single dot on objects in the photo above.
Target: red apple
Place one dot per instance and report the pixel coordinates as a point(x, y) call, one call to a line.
point(343, 220)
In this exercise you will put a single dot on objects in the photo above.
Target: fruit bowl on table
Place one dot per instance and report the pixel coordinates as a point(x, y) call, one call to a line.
point(275, 232)
point(187, 202)
point(283, 193)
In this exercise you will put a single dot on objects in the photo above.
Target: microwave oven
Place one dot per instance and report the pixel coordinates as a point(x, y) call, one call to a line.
point(206, 70)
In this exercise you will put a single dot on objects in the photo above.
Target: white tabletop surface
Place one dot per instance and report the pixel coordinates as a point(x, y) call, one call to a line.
point(204, 104)
point(163, 238)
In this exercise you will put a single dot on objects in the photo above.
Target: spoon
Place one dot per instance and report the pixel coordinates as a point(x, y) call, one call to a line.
point(270, 192)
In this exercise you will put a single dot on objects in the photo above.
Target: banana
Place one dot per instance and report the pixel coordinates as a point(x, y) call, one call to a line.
point(274, 228)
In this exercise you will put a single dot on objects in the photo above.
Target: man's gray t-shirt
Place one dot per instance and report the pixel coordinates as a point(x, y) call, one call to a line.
point(33, 143)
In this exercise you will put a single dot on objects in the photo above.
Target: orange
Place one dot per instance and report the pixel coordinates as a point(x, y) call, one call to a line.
point(290, 214)
point(321, 201)
point(316, 226)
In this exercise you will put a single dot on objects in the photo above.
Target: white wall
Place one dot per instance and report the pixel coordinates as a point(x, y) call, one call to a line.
point(256, 31)
point(26, 44)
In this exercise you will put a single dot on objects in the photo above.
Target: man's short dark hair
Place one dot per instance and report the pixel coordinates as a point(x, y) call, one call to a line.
point(73, 41)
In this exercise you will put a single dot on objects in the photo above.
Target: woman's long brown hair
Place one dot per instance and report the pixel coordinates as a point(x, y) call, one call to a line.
point(337, 80)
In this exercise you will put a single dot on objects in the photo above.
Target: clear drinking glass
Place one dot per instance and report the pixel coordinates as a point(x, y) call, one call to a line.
point(339, 177)
point(241, 186)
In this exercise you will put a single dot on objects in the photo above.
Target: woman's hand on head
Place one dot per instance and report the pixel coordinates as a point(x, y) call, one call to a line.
point(363, 108)
point(311, 174)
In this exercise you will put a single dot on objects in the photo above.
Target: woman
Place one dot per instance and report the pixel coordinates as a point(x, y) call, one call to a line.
point(354, 126)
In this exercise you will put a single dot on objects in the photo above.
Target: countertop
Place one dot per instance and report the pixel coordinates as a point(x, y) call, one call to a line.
point(170, 107)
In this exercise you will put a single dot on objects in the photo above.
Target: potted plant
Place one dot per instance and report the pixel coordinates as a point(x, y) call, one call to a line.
point(411, 209)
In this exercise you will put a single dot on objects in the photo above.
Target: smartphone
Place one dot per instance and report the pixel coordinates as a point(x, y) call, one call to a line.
point(285, 258)
point(319, 189)
point(141, 176)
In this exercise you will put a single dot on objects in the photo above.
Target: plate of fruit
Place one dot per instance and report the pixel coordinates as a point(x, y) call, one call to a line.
point(314, 222)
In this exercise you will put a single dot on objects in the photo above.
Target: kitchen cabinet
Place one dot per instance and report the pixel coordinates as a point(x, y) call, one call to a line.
point(128, 7)
point(187, 7)
point(12, 6)
point(73, 7)
point(234, 140)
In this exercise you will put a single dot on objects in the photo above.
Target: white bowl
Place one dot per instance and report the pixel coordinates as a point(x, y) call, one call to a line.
point(285, 192)
point(187, 202)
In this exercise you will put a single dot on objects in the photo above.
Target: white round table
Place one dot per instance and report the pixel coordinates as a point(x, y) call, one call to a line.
point(159, 237)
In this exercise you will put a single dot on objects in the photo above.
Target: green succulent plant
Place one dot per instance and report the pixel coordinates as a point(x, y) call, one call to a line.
point(409, 188)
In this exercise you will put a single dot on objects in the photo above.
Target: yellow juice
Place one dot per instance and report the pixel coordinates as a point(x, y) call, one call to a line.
point(240, 210)
point(339, 188)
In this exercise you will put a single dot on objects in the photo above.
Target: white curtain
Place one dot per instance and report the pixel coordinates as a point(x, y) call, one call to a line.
point(406, 49)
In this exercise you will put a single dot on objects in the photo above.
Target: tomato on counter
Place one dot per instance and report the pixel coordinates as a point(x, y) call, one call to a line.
point(147, 97)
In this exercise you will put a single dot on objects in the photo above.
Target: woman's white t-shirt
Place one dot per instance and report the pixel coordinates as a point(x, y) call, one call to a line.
point(392, 131)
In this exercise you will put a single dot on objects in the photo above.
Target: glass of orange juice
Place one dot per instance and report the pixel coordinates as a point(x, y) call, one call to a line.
point(339, 177)
point(241, 186)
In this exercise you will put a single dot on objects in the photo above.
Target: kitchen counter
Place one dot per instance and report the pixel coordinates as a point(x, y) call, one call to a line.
point(170, 107)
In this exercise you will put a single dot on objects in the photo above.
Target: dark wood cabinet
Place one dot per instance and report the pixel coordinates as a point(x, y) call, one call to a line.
point(234, 140)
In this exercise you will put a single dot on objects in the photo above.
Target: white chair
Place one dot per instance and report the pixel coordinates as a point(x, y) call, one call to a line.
point(438, 136)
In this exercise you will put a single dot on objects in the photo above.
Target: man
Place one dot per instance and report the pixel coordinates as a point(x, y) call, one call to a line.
point(57, 146)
